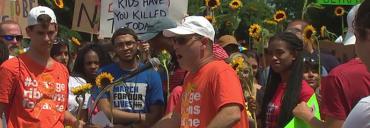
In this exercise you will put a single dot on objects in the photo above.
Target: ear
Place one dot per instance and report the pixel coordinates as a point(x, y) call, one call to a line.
point(28, 31)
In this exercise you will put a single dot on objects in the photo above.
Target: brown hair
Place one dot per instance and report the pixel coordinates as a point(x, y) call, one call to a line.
point(7, 22)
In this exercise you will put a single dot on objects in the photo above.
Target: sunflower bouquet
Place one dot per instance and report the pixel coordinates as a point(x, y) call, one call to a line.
point(245, 73)
point(223, 14)
point(80, 92)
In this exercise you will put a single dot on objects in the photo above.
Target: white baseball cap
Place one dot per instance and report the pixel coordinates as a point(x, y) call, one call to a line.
point(192, 25)
point(37, 11)
point(350, 38)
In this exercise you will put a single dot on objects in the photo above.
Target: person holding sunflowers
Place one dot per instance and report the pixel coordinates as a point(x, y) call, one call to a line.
point(137, 101)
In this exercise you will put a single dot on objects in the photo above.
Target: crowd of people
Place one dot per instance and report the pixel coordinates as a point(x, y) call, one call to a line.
point(213, 81)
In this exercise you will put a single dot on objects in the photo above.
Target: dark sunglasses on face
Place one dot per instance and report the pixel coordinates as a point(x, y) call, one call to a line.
point(182, 40)
point(11, 37)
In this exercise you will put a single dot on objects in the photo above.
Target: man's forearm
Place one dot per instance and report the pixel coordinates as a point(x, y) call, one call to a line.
point(123, 117)
point(155, 114)
point(227, 117)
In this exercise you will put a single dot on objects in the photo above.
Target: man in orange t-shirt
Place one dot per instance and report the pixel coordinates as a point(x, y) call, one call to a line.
point(33, 86)
point(212, 95)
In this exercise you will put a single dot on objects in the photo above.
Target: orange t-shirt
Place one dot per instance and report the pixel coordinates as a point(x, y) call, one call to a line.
point(36, 96)
point(206, 92)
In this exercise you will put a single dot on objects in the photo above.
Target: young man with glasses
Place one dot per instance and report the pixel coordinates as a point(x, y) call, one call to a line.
point(212, 94)
point(138, 101)
point(33, 86)
point(11, 36)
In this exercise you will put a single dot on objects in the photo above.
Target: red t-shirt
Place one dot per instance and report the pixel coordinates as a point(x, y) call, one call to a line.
point(343, 88)
point(35, 96)
point(206, 92)
point(274, 107)
point(174, 99)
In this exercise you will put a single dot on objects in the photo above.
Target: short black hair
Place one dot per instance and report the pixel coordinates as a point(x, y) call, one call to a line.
point(7, 22)
point(123, 31)
point(362, 19)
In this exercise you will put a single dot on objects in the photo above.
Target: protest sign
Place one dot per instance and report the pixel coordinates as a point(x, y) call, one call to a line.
point(177, 10)
point(138, 14)
point(86, 16)
point(16, 10)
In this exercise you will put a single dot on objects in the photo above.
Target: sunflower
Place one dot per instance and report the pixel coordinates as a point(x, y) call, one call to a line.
point(235, 4)
point(103, 79)
point(209, 18)
point(238, 63)
point(323, 31)
point(212, 3)
point(339, 11)
point(271, 22)
point(59, 3)
point(308, 33)
point(279, 16)
point(75, 41)
point(254, 31)
point(81, 89)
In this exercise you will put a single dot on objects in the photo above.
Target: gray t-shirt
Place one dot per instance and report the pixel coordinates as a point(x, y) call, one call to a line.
point(360, 115)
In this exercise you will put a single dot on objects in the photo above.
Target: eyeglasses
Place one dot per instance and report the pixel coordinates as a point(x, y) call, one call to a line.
point(11, 37)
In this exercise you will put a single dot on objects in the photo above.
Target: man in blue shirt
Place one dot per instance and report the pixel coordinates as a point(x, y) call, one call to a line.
point(137, 102)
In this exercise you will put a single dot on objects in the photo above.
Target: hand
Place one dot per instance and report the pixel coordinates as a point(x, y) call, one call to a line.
point(251, 104)
point(79, 124)
point(303, 112)
point(145, 46)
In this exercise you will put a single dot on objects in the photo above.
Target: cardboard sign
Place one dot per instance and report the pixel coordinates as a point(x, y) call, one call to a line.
point(177, 10)
point(16, 10)
point(106, 19)
point(138, 14)
point(339, 2)
point(86, 16)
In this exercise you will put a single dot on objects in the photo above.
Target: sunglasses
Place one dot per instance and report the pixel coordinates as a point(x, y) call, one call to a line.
point(11, 37)
point(182, 40)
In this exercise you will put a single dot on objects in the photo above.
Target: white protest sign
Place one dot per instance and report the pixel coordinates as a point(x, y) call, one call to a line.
point(177, 11)
point(106, 19)
point(138, 14)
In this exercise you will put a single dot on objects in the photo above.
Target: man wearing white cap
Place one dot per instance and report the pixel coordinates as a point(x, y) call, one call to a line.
point(33, 86)
point(360, 114)
point(212, 94)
